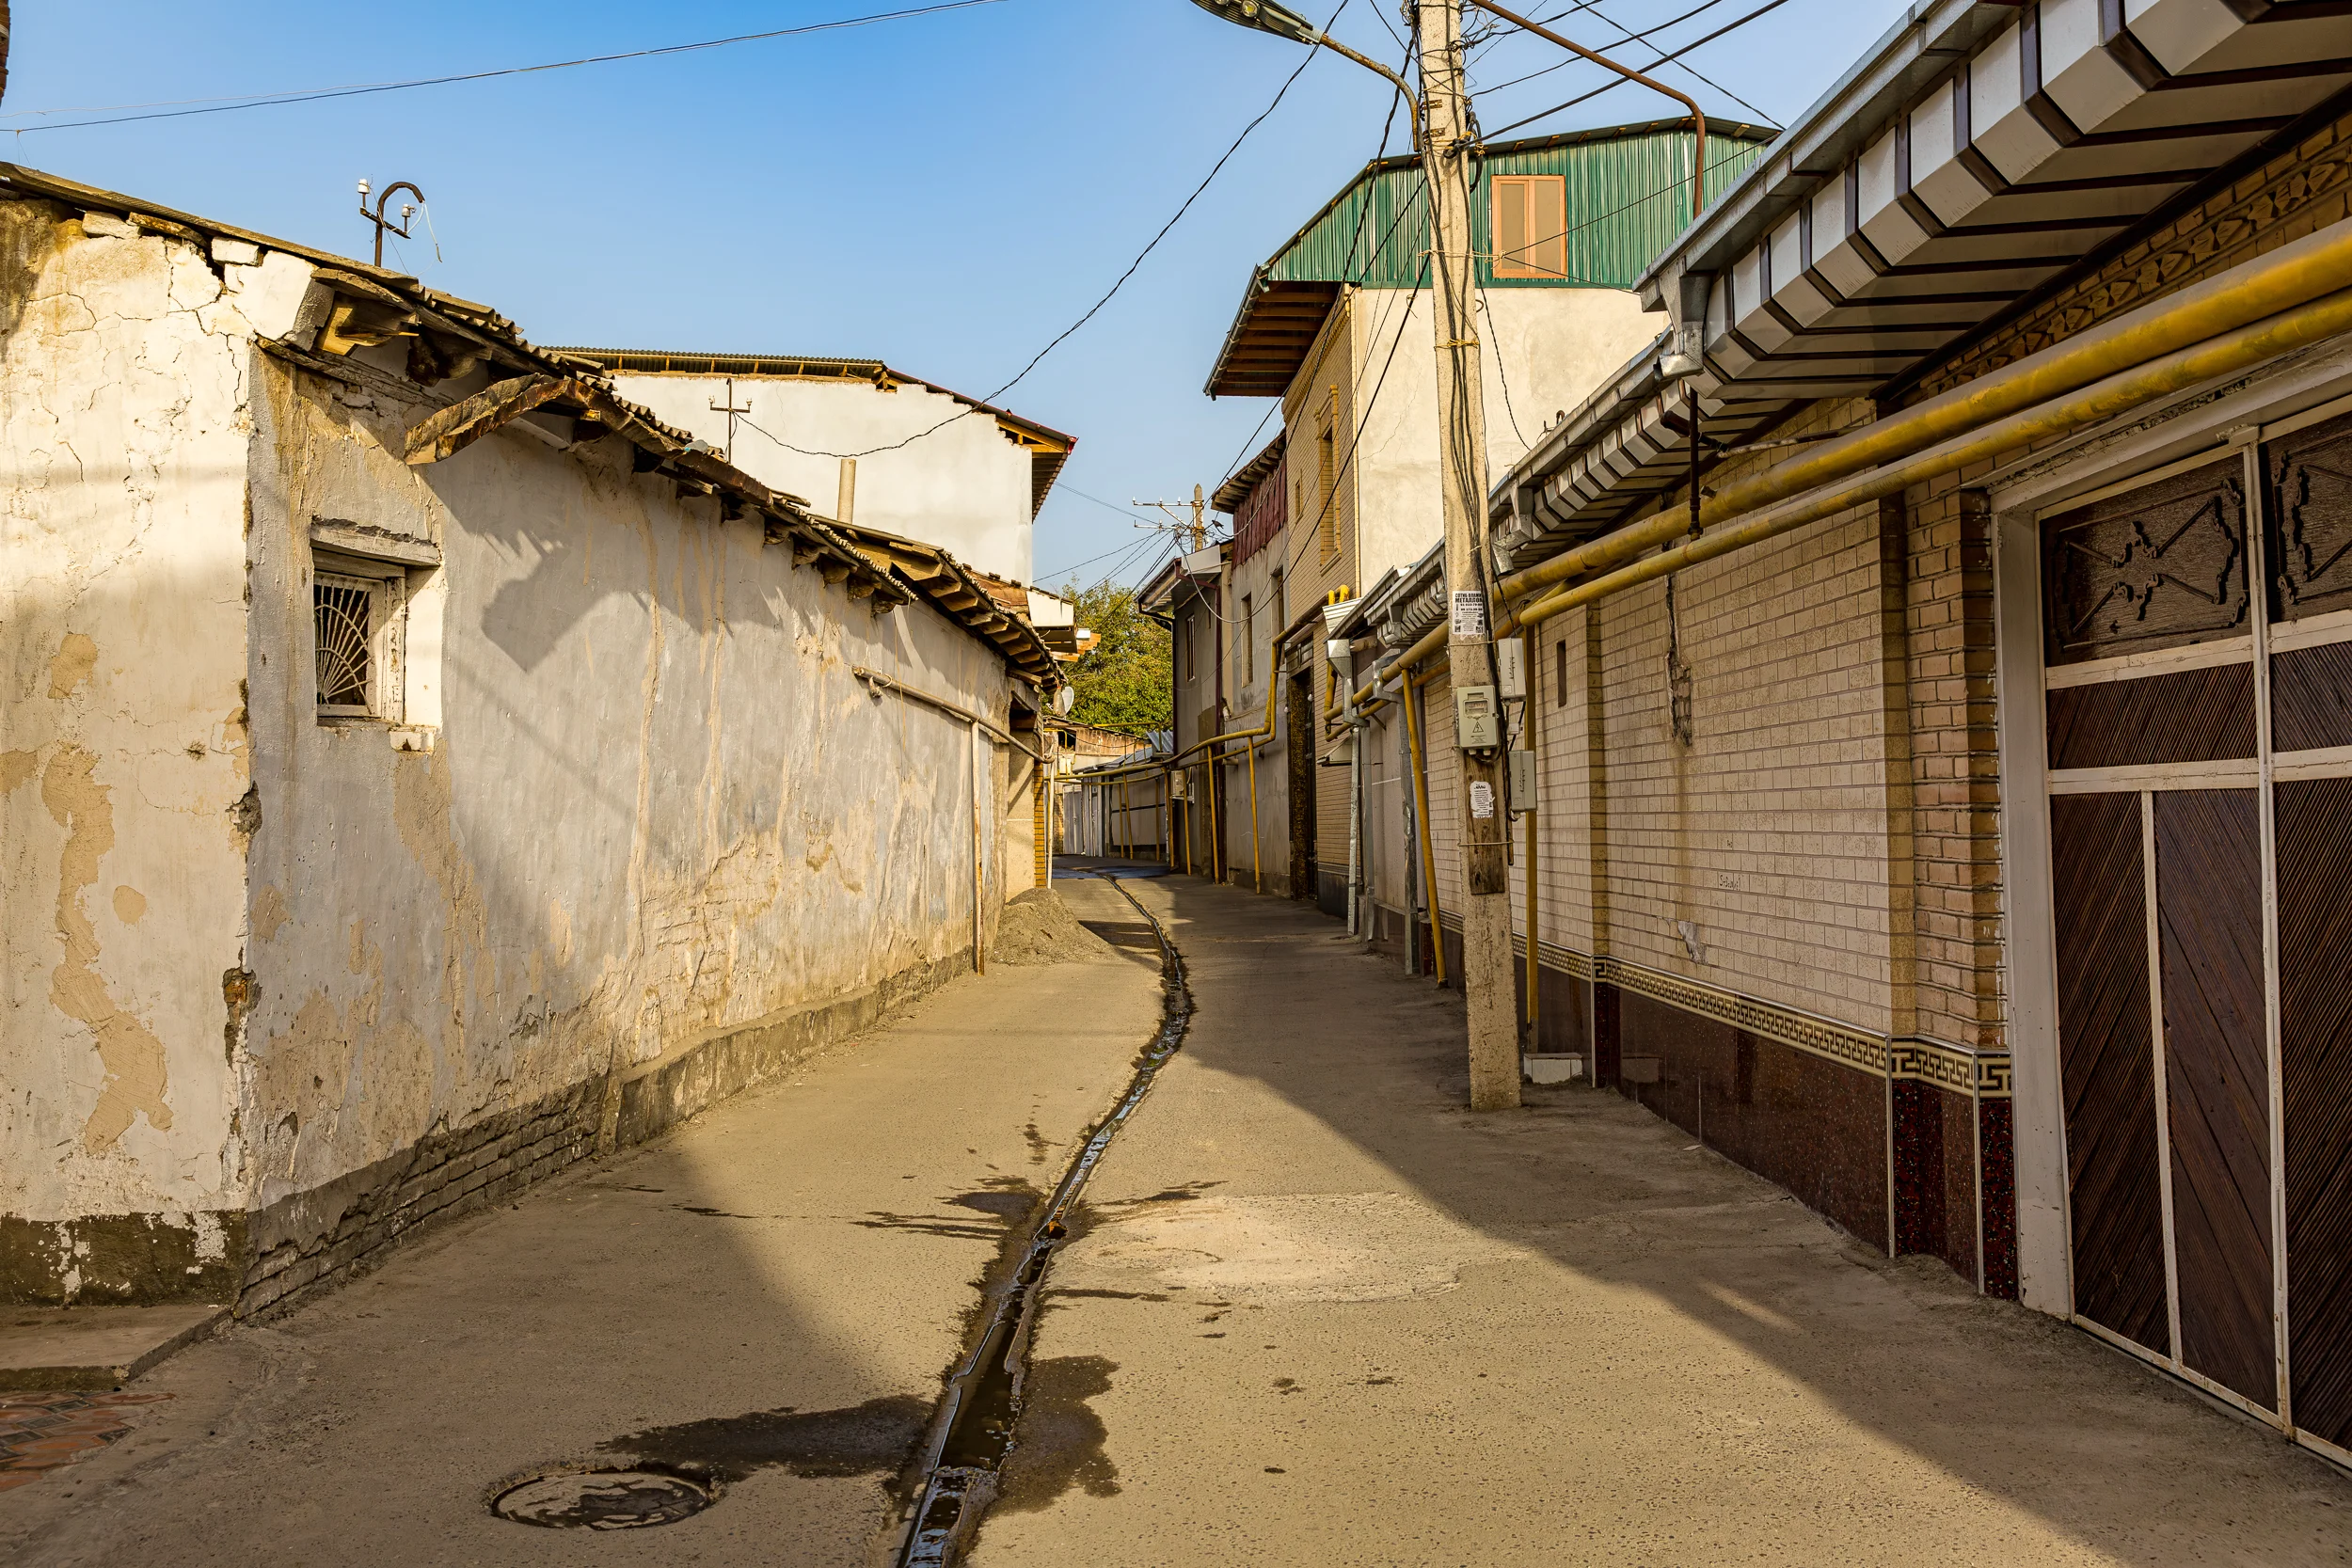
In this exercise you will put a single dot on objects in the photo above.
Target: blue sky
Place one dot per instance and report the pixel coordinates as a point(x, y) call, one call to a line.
point(945, 193)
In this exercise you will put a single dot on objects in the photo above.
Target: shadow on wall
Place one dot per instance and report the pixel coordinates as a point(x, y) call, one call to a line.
point(2007, 1400)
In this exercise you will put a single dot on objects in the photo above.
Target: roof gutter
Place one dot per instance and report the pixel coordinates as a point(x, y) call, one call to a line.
point(2316, 321)
point(2292, 275)
point(1907, 57)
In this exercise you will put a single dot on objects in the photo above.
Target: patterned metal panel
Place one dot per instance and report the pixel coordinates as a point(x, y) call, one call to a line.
point(2315, 1020)
point(2311, 698)
point(2107, 1065)
point(2159, 567)
point(2188, 716)
point(2310, 487)
point(2217, 1081)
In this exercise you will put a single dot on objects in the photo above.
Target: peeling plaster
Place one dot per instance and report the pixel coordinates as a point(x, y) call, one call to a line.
point(133, 1057)
point(76, 657)
point(269, 914)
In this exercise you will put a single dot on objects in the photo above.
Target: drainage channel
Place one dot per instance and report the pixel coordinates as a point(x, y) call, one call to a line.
point(972, 1435)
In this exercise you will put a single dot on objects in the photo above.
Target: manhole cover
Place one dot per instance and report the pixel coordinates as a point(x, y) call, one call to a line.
point(603, 1499)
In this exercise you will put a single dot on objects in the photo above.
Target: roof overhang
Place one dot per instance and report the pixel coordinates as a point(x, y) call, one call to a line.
point(1048, 447)
point(560, 398)
point(1234, 491)
point(1979, 159)
point(1270, 337)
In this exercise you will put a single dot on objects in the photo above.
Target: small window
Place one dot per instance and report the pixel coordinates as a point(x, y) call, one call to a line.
point(367, 585)
point(1327, 475)
point(356, 622)
point(1531, 223)
point(1560, 687)
point(1281, 621)
point(1248, 643)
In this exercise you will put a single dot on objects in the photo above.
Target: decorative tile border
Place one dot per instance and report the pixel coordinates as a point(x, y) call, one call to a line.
point(1956, 1068)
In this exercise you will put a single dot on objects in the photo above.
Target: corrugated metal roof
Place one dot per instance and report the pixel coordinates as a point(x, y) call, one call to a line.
point(1629, 196)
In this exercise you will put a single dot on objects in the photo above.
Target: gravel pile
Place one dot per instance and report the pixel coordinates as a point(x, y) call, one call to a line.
point(1038, 929)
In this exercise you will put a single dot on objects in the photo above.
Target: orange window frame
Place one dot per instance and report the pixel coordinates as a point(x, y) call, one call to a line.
point(1529, 226)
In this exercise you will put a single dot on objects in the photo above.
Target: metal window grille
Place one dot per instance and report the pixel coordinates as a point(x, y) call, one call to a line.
point(340, 611)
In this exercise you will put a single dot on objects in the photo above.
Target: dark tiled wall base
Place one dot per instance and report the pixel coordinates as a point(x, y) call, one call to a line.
point(2000, 1203)
point(1563, 1008)
point(1812, 1125)
point(1809, 1124)
point(1332, 891)
point(1935, 1176)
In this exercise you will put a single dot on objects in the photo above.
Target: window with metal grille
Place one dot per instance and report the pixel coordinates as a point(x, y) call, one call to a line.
point(342, 613)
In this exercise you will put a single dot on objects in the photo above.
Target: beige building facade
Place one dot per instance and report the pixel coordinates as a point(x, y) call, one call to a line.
point(1943, 813)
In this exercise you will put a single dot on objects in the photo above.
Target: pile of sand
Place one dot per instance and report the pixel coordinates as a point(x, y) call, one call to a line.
point(1037, 927)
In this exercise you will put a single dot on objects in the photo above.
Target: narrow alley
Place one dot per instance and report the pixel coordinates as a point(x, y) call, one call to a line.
point(1311, 1310)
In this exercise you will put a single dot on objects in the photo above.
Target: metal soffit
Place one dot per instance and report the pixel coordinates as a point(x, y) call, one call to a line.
point(1975, 158)
point(529, 380)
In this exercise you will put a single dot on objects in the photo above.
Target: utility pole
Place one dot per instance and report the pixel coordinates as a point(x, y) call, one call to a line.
point(1443, 132)
point(1484, 824)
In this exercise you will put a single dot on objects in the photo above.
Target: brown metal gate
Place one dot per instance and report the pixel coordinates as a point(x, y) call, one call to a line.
point(2198, 690)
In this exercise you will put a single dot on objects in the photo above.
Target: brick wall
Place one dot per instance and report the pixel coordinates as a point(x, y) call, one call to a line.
point(1769, 832)
point(1956, 776)
point(1567, 789)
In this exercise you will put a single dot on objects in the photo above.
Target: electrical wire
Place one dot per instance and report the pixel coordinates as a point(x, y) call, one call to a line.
point(174, 110)
point(1641, 36)
point(1663, 58)
point(1615, 83)
point(1311, 56)
point(1061, 571)
point(1388, 129)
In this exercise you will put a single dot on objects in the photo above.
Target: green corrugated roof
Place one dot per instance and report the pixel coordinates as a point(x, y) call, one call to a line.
point(1628, 195)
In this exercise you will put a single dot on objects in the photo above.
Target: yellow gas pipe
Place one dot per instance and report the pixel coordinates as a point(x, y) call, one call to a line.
point(2306, 271)
point(2320, 319)
point(1421, 804)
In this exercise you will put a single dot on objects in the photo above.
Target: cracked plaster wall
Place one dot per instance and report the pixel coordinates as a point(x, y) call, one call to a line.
point(658, 810)
point(124, 752)
point(248, 961)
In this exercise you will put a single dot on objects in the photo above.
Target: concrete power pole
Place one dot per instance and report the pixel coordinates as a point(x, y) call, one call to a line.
point(1486, 956)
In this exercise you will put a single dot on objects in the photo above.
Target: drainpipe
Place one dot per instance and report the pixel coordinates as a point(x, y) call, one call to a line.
point(979, 950)
point(1342, 654)
point(2292, 275)
point(2179, 371)
point(1413, 716)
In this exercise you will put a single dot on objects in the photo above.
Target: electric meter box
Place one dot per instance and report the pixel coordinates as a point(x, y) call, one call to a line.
point(1477, 718)
point(1522, 782)
point(1511, 667)
point(1175, 786)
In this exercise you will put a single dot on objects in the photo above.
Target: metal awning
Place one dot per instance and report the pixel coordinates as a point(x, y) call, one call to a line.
point(1981, 157)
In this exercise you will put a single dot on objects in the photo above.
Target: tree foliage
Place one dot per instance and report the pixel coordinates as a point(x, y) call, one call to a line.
point(1122, 684)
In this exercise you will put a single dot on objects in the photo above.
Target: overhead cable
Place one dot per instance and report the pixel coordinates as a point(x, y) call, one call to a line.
point(1112, 293)
point(264, 101)
point(1617, 82)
